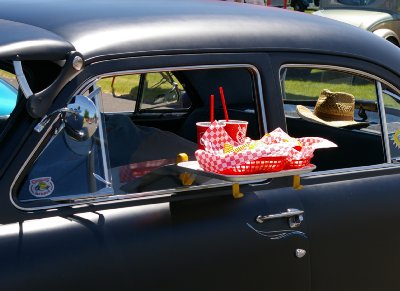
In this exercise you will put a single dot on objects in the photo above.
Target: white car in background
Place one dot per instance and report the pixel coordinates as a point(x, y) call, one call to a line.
point(381, 17)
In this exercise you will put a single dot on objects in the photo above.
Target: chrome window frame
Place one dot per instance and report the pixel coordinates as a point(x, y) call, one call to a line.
point(378, 84)
point(80, 200)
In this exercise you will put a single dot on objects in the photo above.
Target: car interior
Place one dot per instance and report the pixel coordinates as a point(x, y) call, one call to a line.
point(357, 146)
point(150, 139)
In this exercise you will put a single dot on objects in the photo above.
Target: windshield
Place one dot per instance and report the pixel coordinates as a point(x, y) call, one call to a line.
point(8, 96)
point(356, 2)
point(364, 4)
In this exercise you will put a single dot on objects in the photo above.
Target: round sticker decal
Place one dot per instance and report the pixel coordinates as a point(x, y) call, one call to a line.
point(396, 138)
point(41, 187)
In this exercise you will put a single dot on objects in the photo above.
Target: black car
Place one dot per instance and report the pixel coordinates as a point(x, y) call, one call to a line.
point(93, 191)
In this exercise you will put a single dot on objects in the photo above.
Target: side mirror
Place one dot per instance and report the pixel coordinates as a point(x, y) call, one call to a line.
point(81, 120)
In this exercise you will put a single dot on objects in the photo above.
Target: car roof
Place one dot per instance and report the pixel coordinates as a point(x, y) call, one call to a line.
point(101, 29)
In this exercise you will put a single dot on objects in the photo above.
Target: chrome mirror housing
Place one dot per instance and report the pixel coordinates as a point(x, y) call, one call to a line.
point(81, 120)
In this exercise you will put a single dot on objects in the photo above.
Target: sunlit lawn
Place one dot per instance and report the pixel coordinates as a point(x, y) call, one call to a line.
point(311, 90)
point(127, 86)
point(306, 84)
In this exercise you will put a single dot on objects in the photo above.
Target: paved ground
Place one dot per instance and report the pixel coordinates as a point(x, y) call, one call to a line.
point(113, 104)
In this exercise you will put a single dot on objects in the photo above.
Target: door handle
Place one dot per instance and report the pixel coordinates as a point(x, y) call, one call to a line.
point(295, 217)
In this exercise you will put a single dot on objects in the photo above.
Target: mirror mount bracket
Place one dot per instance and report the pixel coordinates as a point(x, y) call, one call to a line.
point(45, 119)
point(39, 103)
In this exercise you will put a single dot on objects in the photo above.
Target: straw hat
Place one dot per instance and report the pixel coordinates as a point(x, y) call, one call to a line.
point(332, 108)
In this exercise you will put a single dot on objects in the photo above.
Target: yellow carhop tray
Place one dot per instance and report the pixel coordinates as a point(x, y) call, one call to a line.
point(194, 167)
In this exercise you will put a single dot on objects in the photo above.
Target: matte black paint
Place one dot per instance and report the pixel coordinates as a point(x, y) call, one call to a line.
point(201, 240)
point(100, 30)
point(26, 42)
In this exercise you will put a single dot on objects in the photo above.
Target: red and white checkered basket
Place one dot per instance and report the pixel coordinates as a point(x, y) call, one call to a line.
point(269, 159)
point(302, 157)
point(278, 151)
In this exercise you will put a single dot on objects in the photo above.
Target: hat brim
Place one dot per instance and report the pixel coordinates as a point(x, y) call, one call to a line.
point(307, 114)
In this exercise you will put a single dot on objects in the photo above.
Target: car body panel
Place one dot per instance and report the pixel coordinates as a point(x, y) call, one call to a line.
point(82, 28)
point(206, 241)
point(200, 239)
point(27, 42)
point(381, 17)
point(360, 18)
point(345, 231)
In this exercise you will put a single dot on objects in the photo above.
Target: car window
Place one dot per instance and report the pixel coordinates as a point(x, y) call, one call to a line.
point(120, 92)
point(69, 167)
point(153, 91)
point(360, 4)
point(392, 118)
point(138, 153)
point(356, 2)
point(162, 90)
point(143, 149)
point(339, 106)
point(8, 95)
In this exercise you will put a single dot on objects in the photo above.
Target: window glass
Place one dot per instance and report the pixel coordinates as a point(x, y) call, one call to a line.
point(154, 91)
point(69, 167)
point(143, 147)
point(137, 152)
point(8, 96)
point(163, 91)
point(392, 115)
point(360, 4)
point(120, 92)
point(312, 100)
point(356, 2)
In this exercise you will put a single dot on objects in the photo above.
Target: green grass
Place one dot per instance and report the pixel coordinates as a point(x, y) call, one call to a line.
point(310, 90)
point(306, 84)
point(11, 78)
point(127, 86)
point(123, 85)
point(6, 75)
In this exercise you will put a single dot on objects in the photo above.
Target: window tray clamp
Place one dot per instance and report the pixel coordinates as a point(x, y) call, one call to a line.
point(297, 183)
point(236, 191)
point(186, 178)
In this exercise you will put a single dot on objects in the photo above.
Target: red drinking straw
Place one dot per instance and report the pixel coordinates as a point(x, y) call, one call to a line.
point(212, 108)
point(221, 92)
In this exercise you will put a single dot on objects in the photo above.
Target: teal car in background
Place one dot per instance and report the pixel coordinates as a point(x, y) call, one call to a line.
point(382, 17)
point(8, 98)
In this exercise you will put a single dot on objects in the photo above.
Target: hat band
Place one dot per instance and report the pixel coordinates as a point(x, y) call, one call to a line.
point(333, 117)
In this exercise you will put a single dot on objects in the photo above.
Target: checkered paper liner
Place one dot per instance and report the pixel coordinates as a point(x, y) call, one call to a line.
point(303, 148)
point(215, 137)
point(279, 136)
point(316, 142)
point(308, 146)
point(275, 144)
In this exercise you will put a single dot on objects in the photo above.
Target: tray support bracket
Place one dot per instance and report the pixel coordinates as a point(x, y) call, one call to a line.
point(297, 183)
point(236, 191)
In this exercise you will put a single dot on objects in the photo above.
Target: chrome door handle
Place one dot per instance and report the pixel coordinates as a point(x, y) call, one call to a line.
point(295, 217)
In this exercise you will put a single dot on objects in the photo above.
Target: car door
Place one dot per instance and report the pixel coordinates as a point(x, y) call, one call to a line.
point(213, 239)
point(351, 200)
point(198, 237)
